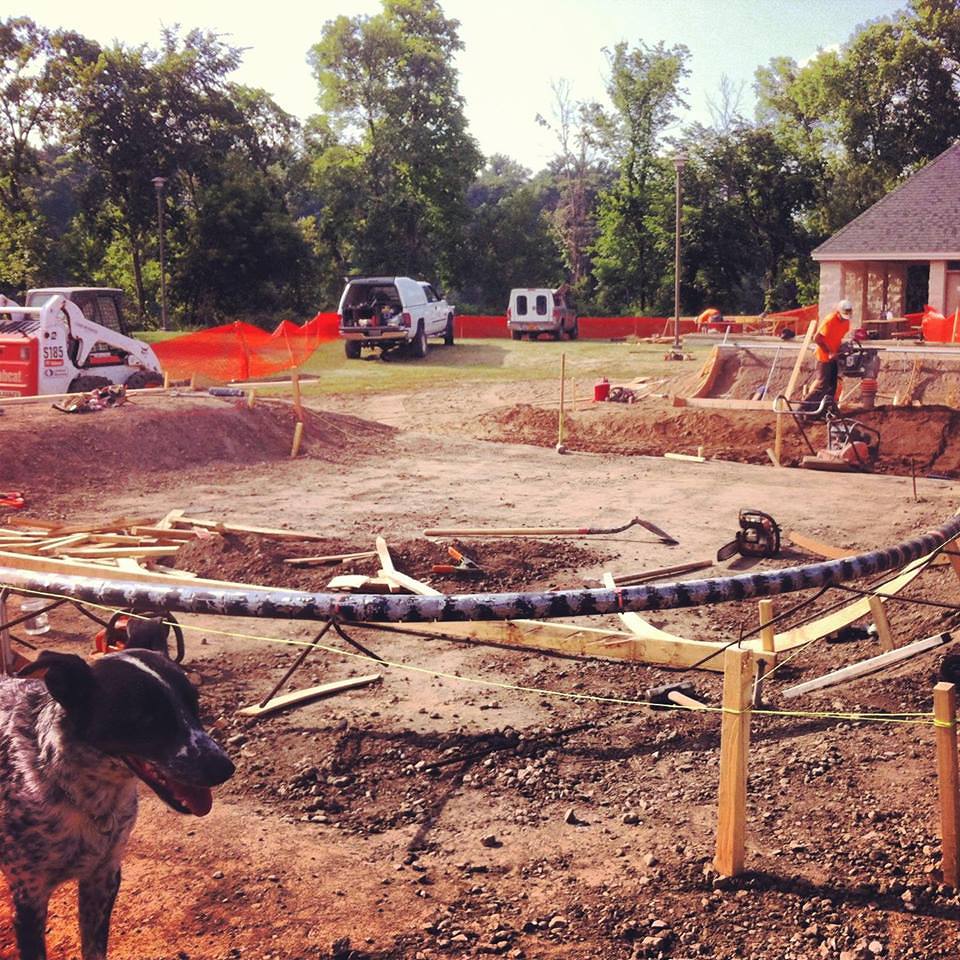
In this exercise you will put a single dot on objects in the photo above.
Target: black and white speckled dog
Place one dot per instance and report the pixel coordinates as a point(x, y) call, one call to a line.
point(72, 747)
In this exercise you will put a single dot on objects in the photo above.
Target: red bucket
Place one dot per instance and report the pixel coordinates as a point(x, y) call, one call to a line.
point(601, 389)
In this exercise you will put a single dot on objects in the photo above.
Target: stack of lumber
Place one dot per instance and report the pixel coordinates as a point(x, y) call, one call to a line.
point(126, 548)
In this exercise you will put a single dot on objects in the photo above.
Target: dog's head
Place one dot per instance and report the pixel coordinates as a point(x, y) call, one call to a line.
point(139, 706)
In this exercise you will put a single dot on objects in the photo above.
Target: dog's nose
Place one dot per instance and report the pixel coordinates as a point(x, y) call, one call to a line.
point(217, 767)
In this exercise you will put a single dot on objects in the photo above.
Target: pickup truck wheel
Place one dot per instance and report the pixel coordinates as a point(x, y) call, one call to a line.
point(352, 349)
point(418, 348)
point(448, 333)
point(515, 334)
point(86, 384)
point(575, 331)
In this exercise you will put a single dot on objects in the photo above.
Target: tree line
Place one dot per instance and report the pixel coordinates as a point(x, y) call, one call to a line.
point(265, 215)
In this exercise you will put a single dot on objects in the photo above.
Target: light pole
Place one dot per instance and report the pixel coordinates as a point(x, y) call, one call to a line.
point(158, 185)
point(679, 162)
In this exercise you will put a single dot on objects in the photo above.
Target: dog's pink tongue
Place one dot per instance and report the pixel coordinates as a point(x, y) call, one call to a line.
point(198, 800)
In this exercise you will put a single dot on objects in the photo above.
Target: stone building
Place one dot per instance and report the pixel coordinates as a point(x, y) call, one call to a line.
point(901, 253)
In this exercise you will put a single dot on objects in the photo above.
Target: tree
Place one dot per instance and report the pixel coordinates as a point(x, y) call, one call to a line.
point(644, 89)
point(747, 239)
point(509, 238)
point(874, 111)
point(389, 91)
point(576, 174)
point(31, 88)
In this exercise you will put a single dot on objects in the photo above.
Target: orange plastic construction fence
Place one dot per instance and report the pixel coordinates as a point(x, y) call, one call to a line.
point(241, 351)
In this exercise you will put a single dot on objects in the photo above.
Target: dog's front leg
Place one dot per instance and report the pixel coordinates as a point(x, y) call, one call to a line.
point(97, 894)
point(30, 921)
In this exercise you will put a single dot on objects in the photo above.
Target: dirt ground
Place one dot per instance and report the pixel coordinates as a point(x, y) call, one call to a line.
point(476, 801)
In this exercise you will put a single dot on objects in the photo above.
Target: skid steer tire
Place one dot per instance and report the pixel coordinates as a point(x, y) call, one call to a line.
point(86, 384)
point(352, 349)
point(142, 379)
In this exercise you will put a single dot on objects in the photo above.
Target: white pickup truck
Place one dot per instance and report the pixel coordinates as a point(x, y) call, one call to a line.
point(392, 312)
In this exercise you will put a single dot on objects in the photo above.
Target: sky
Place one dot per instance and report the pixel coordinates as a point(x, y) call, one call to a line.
point(514, 50)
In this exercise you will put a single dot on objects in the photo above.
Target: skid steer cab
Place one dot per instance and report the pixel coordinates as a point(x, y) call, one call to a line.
point(71, 340)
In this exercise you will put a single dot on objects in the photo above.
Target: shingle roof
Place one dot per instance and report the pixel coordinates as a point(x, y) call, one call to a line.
point(921, 217)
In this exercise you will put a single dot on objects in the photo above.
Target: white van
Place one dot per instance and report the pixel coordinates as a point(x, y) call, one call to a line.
point(536, 310)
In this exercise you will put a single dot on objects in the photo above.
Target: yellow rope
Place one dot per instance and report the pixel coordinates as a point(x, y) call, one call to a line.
point(925, 719)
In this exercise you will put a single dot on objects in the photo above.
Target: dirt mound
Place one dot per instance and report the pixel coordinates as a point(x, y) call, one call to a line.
point(921, 439)
point(504, 564)
point(155, 434)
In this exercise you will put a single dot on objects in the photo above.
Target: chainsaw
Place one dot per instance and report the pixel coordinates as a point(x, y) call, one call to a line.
point(758, 536)
point(148, 631)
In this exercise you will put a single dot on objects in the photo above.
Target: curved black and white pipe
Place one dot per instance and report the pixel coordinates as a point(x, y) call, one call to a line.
point(377, 608)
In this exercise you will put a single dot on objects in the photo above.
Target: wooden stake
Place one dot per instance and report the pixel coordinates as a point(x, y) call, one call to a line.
point(791, 386)
point(166, 380)
point(563, 378)
point(882, 623)
point(297, 437)
point(734, 747)
point(297, 400)
point(948, 780)
point(6, 653)
point(251, 399)
point(766, 624)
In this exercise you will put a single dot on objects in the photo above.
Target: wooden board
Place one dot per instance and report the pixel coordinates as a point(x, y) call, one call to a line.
point(296, 697)
point(817, 547)
point(870, 665)
point(391, 574)
point(571, 639)
point(244, 528)
point(101, 571)
point(722, 403)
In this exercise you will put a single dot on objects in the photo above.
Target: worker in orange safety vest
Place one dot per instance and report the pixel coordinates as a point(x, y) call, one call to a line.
point(833, 328)
point(710, 315)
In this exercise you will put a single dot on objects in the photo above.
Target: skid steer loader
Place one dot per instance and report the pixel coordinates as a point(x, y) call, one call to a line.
point(70, 340)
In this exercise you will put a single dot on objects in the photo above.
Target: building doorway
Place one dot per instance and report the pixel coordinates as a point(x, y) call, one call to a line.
point(915, 297)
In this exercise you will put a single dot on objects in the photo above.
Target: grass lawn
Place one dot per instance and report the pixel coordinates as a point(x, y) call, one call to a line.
point(490, 361)
point(494, 360)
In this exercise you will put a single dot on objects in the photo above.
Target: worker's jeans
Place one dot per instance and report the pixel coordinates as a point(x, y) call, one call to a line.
point(828, 376)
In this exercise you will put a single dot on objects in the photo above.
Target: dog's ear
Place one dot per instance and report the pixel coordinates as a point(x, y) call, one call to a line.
point(68, 678)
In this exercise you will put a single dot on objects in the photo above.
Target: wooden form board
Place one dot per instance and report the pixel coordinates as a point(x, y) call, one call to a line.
point(571, 639)
point(722, 403)
point(849, 614)
point(643, 644)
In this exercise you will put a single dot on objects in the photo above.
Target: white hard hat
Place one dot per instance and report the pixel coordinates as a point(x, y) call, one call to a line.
point(845, 307)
